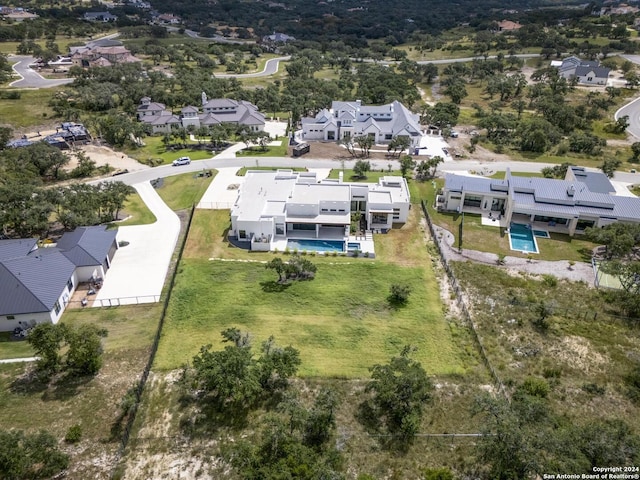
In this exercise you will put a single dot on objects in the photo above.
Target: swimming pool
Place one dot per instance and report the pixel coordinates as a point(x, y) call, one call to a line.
point(353, 246)
point(521, 239)
point(541, 234)
point(316, 245)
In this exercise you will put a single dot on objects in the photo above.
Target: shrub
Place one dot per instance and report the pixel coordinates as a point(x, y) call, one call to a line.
point(74, 434)
point(552, 372)
point(536, 387)
point(549, 280)
point(594, 389)
point(399, 294)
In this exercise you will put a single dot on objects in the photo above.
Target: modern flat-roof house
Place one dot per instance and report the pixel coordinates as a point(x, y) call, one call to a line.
point(351, 119)
point(273, 206)
point(583, 199)
point(36, 284)
point(214, 111)
point(585, 72)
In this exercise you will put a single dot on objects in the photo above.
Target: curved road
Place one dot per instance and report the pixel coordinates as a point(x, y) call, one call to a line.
point(270, 67)
point(631, 110)
point(29, 77)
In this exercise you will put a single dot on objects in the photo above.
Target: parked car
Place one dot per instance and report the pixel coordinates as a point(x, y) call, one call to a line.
point(454, 134)
point(181, 161)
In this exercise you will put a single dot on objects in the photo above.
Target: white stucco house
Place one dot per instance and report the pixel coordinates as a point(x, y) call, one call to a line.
point(37, 283)
point(350, 119)
point(274, 206)
point(583, 199)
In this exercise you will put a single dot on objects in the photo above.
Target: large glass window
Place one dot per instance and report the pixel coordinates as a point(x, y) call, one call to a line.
point(379, 218)
point(472, 201)
point(279, 228)
point(583, 224)
point(303, 226)
point(57, 307)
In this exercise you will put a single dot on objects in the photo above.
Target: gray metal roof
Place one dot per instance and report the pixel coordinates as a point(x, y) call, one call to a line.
point(16, 248)
point(33, 283)
point(596, 181)
point(599, 72)
point(87, 245)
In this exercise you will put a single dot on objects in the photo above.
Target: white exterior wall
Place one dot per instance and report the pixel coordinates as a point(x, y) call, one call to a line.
point(84, 274)
point(313, 131)
point(302, 209)
point(191, 120)
point(8, 325)
point(594, 80)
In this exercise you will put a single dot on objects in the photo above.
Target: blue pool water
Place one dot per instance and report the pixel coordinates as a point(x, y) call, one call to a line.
point(541, 234)
point(353, 246)
point(521, 239)
point(316, 245)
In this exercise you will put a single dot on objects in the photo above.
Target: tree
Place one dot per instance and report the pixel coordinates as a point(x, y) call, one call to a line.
point(609, 166)
point(635, 150)
point(227, 376)
point(278, 265)
point(399, 144)
point(399, 391)
point(34, 456)
point(364, 142)
point(46, 340)
point(361, 168)
point(558, 171)
point(321, 420)
point(456, 91)
point(5, 135)
point(85, 349)
point(407, 164)
point(276, 365)
point(428, 168)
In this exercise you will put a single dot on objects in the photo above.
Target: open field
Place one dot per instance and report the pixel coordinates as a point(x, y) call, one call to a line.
point(584, 343)
point(182, 191)
point(30, 110)
point(340, 321)
point(271, 150)
point(91, 402)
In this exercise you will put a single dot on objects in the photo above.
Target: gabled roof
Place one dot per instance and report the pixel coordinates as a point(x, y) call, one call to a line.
point(16, 248)
point(190, 109)
point(216, 103)
point(599, 72)
point(33, 283)
point(87, 245)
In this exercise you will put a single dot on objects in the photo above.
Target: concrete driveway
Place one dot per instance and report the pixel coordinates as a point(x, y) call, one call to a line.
point(29, 77)
point(222, 191)
point(138, 270)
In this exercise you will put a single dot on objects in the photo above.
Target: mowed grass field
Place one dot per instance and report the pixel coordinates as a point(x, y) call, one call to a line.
point(341, 321)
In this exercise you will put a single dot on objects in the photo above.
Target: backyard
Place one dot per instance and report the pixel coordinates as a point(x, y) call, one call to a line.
point(341, 321)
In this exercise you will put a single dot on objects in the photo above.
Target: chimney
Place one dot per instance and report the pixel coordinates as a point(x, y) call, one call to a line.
point(571, 190)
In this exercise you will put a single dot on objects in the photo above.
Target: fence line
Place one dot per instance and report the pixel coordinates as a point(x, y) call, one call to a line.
point(116, 302)
point(455, 286)
point(154, 348)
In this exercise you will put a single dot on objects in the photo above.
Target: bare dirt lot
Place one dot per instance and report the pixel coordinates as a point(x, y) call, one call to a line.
point(105, 155)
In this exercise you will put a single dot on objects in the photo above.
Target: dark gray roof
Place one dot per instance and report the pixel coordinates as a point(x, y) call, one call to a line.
point(16, 248)
point(599, 72)
point(595, 181)
point(87, 245)
point(33, 283)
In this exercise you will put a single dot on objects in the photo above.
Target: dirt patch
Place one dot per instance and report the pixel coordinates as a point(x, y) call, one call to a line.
point(578, 353)
point(105, 156)
point(333, 151)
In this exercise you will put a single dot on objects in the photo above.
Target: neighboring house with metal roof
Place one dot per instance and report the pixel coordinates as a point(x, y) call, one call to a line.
point(99, 17)
point(214, 111)
point(352, 119)
point(276, 206)
point(36, 284)
point(586, 72)
point(583, 199)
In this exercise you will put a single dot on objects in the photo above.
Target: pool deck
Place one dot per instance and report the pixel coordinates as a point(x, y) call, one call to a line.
point(366, 246)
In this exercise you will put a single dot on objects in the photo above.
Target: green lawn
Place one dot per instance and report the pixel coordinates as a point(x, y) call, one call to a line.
point(180, 192)
point(271, 151)
point(31, 109)
point(137, 210)
point(14, 348)
point(340, 321)
point(371, 177)
point(493, 239)
point(243, 171)
point(155, 149)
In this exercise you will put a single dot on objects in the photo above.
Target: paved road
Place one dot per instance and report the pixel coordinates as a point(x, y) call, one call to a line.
point(270, 67)
point(29, 77)
point(215, 38)
point(452, 166)
point(631, 110)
